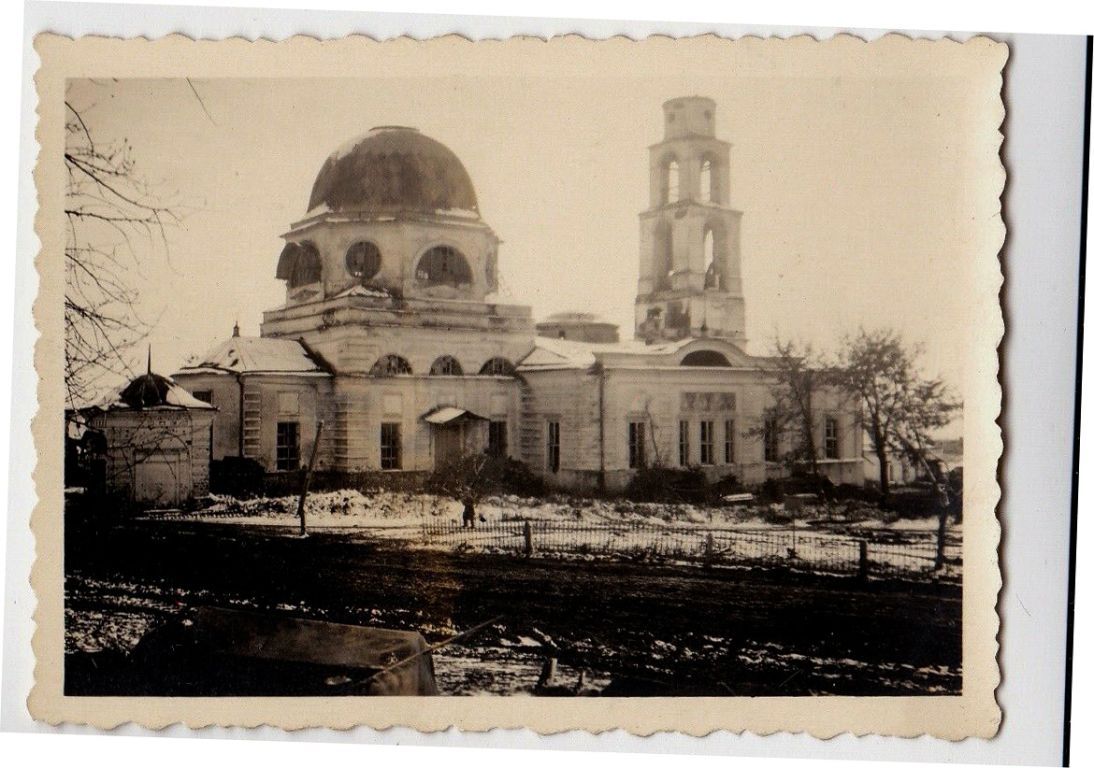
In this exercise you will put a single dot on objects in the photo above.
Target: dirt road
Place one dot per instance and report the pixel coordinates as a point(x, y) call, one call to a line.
point(627, 629)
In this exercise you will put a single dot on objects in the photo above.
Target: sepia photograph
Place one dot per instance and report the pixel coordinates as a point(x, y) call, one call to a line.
point(569, 380)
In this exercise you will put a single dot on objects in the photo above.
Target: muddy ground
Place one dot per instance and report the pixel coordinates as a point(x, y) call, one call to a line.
point(616, 628)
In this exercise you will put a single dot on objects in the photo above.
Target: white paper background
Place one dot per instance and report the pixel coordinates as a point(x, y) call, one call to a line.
point(1042, 152)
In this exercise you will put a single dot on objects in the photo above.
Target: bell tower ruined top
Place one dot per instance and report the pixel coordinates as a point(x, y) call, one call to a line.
point(689, 116)
point(689, 280)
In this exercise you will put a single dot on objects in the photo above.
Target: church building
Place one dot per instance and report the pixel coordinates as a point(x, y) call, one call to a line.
point(390, 335)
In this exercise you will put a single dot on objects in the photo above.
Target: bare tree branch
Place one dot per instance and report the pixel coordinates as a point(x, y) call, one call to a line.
point(116, 224)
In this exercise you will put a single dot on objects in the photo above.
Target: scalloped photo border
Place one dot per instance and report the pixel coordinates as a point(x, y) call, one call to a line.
point(979, 63)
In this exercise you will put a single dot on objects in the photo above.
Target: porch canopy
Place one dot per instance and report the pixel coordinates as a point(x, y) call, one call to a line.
point(447, 415)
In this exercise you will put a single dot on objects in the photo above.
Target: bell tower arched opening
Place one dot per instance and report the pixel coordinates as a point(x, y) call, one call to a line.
point(706, 189)
point(663, 262)
point(711, 273)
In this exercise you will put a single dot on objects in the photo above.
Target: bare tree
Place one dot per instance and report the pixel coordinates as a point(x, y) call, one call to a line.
point(798, 374)
point(114, 221)
point(900, 408)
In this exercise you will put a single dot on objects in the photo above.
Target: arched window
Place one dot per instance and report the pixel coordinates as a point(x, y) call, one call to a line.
point(706, 191)
point(446, 365)
point(713, 277)
point(443, 265)
point(299, 264)
point(363, 260)
point(497, 366)
point(391, 365)
point(663, 257)
point(705, 358)
point(673, 184)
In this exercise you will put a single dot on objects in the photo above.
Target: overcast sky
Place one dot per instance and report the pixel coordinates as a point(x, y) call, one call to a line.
point(855, 191)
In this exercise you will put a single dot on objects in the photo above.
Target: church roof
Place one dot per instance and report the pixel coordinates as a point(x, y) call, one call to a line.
point(250, 354)
point(393, 168)
point(448, 414)
point(552, 354)
point(150, 391)
point(574, 318)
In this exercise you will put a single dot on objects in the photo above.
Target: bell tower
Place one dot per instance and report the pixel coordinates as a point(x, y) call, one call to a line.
point(689, 281)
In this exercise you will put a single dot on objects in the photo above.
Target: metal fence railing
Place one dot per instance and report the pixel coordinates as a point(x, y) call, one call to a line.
point(889, 553)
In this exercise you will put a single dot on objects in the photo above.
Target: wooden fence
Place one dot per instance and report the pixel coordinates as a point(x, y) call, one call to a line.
point(876, 552)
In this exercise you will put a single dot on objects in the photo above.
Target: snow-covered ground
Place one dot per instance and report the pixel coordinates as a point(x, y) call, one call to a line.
point(394, 509)
point(825, 538)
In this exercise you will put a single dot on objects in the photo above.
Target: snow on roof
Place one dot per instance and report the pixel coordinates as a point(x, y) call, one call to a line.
point(362, 290)
point(551, 353)
point(151, 392)
point(575, 318)
point(563, 353)
point(448, 414)
point(250, 354)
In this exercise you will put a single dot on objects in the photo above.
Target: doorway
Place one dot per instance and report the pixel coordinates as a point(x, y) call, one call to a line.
point(448, 443)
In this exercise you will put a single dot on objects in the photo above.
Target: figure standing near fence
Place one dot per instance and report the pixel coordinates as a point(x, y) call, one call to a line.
point(468, 513)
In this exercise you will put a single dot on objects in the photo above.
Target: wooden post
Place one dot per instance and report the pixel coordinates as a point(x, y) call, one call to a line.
point(527, 538)
point(547, 673)
point(708, 559)
point(940, 552)
point(307, 480)
point(863, 559)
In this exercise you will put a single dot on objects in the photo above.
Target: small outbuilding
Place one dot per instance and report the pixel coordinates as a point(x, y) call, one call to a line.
point(152, 441)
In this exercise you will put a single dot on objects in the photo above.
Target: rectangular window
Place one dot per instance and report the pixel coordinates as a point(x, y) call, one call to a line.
point(636, 444)
point(204, 395)
point(288, 446)
point(498, 444)
point(554, 446)
point(831, 437)
point(731, 442)
point(706, 442)
point(771, 439)
point(391, 448)
point(685, 447)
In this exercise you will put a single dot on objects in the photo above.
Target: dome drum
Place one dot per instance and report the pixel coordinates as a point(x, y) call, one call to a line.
point(393, 211)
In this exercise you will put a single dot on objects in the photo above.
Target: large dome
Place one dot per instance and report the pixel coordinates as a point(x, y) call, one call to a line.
point(392, 168)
